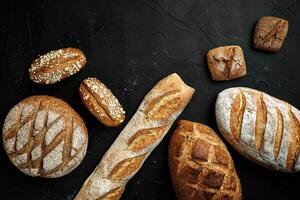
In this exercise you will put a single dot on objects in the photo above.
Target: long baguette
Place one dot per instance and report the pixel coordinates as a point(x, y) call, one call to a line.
point(157, 112)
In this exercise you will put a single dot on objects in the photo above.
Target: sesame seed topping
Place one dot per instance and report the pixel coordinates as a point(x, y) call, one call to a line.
point(57, 65)
point(107, 100)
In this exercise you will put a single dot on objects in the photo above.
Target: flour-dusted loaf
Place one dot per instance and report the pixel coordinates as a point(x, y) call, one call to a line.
point(161, 106)
point(43, 136)
point(56, 65)
point(261, 127)
point(101, 102)
point(200, 164)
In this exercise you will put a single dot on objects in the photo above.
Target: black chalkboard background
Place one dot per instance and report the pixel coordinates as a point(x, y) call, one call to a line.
point(130, 45)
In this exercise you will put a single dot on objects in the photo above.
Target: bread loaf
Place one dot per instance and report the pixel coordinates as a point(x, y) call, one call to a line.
point(57, 65)
point(101, 102)
point(200, 165)
point(143, 133)
point(43, 136)
point(261, 127)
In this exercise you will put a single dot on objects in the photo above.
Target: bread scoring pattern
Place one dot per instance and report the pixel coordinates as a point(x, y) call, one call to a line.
point(42, 141)
point(143, 133)
point(226, 63)
point(261, 127)
point(56, 65)
point(101, 102)
point(200, 165)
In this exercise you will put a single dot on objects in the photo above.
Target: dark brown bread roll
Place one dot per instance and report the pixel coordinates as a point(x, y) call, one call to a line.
point(270, 33)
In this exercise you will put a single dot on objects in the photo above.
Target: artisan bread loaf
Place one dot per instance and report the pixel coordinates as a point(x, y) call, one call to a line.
point(261, 127)
point(161, 106)
point(43, 136)
point(200, 164)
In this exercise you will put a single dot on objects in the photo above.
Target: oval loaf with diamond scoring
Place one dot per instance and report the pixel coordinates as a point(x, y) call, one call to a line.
point(263, 128)
point(200, 164)
point(101, 102)
point(43, 136)
point(57, 65)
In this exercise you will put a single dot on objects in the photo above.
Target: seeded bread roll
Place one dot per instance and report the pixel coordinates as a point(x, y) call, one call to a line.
point(57, 65)
point(43, 136)
point(161, 106)
point(200, 164)
point(261, 127)
point(101, 102)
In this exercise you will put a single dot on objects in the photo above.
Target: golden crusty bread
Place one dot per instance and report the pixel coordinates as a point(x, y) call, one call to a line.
point(43, 136)
point(56, 65)
point(226, 63)
point(161, 106)
point(101, 102)
point(263, 128)
point(200, 164)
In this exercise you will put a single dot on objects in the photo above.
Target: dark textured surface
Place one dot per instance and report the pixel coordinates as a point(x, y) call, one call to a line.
point(130, 45)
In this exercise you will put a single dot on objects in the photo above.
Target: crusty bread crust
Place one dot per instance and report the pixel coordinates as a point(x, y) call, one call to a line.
point(200, 164)
point(161, 106)
point(263, 128)
point(57, 65)
point(226, 63)
point(101, 102)
point(270, 33)
point(43, 136)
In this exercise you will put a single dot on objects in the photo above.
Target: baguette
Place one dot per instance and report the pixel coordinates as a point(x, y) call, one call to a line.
point(159, 109)
point(263, 128)
point(200, 164)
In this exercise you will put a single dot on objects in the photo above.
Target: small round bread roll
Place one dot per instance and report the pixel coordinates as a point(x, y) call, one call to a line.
point(43, 136)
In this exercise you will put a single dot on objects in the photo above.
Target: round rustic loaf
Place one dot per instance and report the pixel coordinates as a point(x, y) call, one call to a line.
point(43, 136)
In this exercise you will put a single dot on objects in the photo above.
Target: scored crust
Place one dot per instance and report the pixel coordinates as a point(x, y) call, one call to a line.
point(57, 65)
point(43, 136)
point(226, 63)
point(263, 128)
point(154, 117)
point(101, 102)
point(270, 33)
point(200, 164)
